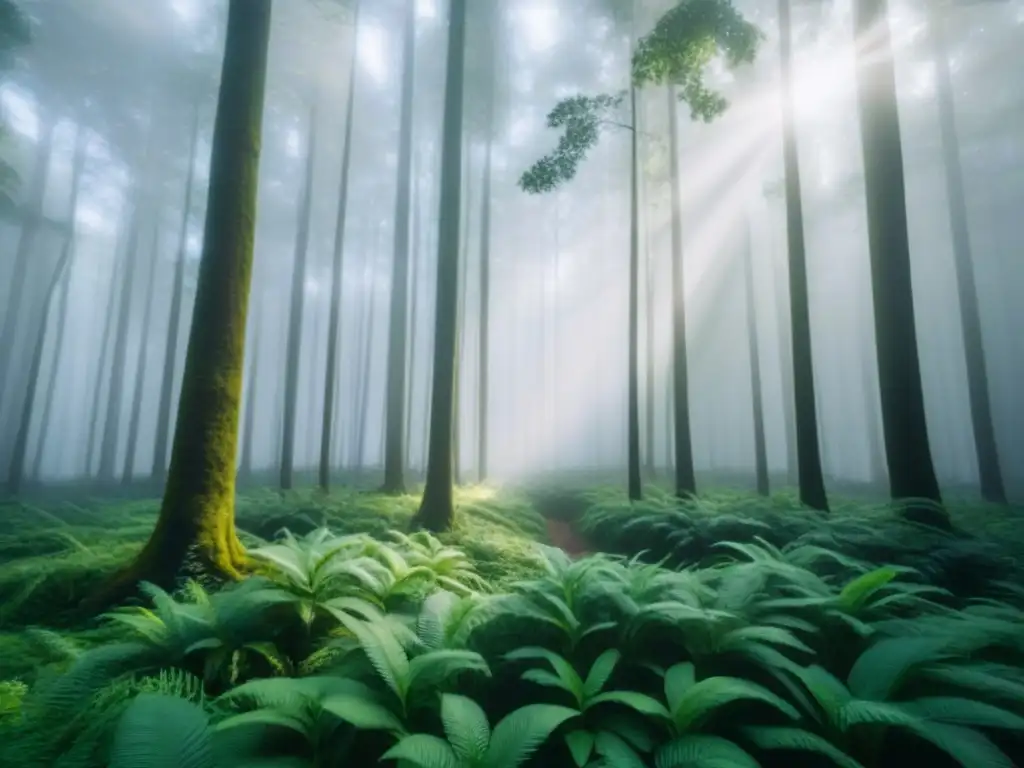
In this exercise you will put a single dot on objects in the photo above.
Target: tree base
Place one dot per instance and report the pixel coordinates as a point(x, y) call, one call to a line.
point(169, 559)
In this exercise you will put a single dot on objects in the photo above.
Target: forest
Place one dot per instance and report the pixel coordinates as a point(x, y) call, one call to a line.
point(511, 383)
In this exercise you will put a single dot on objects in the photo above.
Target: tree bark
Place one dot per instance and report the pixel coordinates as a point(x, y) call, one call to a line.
point(990, 473)
point(760, 450)
point(685, 476)
point(297, 305)
point(394, 437)
point(249, 423)
point(163, 419)
point(16, 467)
point(911, 470)
point(196, 525)
point(135, 418)
point(337, 264)
point(809, 471)
point(483, 362)
point(437, 509)
point(635, 483)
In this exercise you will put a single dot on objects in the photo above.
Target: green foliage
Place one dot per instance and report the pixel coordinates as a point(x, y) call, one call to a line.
point(352, 649)
point(680, 48)
point(685, 41)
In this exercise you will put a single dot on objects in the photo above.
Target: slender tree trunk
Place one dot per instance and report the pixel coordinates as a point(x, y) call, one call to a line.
point(119, 364)
point(685, 476)
point(23, 258)
point(911, 470)
point(163, 418)
point(337, 265)
point(869, 385)
point(367, 356)
point(460, 332)
point(140, 366)
point(989, 471)
point(786, 367)
point(483, 363)
point(51, 386)
point(414, 280)
point(437, 510)
point(197, 520)
point(633, 406)
point(811, 478)
point(291, 380)
point(394, 437)
point(106, 343)
point(16, 467)
point(760, 450)
point(249, 425)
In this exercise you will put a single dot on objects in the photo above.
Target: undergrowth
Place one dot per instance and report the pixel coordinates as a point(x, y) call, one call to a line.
point(356, 644)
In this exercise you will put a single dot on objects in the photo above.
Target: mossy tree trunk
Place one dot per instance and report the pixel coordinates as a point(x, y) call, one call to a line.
point(196, 525)
point(437, 509)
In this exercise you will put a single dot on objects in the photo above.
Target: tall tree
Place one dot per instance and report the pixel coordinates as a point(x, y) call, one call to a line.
point(337, 263)
point(297, 305)
point(163, 418)
point(197, 520)
point(16, 467)
point(908, 452)
point(437, 508)
point(760, 450)
point(809, 472)
point(989, 472)
point(678, 50)
point(685, 476)
point(394, 437)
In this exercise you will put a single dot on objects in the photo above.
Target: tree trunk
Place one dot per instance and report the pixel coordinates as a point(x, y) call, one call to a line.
point(366, 367)
point(51, 386)
point(760, 451)
point(437, 510)
point(105, 344)
point(197, 517)
point(911, 471)
point(809, 471)
point(394, 437)
point(249, 424)
point(16, 467)
point(989, 471)
point(140, 366)
point(23, 258)
point(633, 405)
point(337, 264)
point(415, 256)
point(119, 363)
point(685, 476)
point(460, 327)
point(298, 302)
point(782, 316)
point(483, 384)
point(163, 418)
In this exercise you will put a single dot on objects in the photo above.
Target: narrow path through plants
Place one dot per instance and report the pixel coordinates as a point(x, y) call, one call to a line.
point(565, 536)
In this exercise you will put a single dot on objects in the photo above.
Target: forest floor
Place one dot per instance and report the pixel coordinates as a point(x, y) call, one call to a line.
point(54, 552)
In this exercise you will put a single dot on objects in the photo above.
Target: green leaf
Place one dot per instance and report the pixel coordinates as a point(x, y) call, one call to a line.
point(699, 751)
point(712, 693)
point(581, 745)
point(639, 702)
point(423, 751)
point(879, 671)
point(466, 726)
point(600, 671)
point(960, 711)
point(797, 740)
point(616, 752)
point(520, 733)
point(967, 746)
point(857, 593)
point(571, 681)
point(158, 731)
point(679, 679)
point(364, 714)
point(267, 718)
